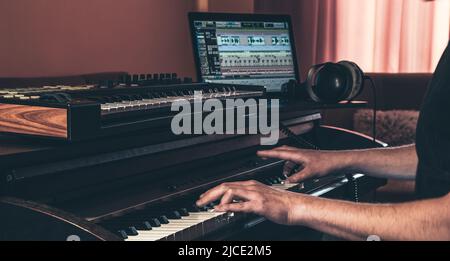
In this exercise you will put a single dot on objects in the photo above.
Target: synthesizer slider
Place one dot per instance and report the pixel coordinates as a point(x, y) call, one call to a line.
point(83, 112)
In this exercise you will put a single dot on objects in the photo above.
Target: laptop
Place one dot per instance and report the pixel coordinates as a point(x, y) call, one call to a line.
point(249, 49)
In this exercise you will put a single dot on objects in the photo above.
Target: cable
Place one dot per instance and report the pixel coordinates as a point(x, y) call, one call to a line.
point(375, 108)
point(300, 141)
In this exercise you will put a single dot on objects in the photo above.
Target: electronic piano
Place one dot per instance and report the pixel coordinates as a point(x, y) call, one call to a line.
point(144, 188)
point(91, 110)
point(141, 185)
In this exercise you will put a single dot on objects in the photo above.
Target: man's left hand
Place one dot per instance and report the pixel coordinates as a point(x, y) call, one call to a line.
point(254, 197)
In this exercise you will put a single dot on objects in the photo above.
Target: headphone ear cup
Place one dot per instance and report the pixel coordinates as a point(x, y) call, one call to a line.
point(357, 78)
point(311, 81)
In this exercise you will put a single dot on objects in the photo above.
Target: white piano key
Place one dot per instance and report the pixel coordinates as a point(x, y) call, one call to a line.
point(177, 226)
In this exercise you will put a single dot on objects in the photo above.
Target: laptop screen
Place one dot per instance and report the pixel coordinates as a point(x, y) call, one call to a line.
point(244, 49)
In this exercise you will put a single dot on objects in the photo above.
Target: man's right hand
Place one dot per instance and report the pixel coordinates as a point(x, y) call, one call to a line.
point(306, 164)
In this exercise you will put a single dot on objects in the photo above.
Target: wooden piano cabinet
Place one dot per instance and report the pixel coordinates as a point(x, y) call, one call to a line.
point(34, 120)
point(37, 222)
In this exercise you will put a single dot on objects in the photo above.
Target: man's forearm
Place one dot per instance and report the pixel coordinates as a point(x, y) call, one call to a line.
point(392, 163)
point(422, 220)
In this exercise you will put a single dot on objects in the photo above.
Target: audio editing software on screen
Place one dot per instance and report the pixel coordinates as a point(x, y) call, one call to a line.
point(258, 53)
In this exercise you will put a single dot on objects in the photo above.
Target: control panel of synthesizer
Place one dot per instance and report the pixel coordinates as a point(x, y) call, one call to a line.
point(128, 103)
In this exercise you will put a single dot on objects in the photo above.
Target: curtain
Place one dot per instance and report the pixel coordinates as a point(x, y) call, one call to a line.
point(393, 36)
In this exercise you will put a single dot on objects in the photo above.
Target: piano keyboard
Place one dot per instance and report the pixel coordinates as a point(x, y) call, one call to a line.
point(126, 103)
point(76, 113)
point(183, 224)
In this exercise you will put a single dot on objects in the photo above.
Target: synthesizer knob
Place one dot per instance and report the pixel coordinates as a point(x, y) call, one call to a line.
point(149, 77)
point(128, 80)
point(187, 80)
point(135, 78)
point(162, 76)
point(174, 76)
point(122, 79)
point(142, 77)
point(155, 77)
point(101, 83)
point(110, 84)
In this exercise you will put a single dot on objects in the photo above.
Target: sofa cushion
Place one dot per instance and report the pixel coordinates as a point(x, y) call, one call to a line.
point(396, 128)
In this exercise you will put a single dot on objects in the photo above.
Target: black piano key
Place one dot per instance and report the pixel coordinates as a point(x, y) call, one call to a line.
point(136, 97)
point(184, 212)
point(194, 209)
point(154, 222)
point(109, 99)
point(144, 225)
point(122, 234)
point(131, 231)
point(275, 181)
point(163, 220)
point(211, 206)
point(122, 97)
point(174, 215)
point(267, 182)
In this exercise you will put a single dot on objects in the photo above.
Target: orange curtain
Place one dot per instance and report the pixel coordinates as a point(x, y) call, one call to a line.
point(392, 36)
point(381, 35)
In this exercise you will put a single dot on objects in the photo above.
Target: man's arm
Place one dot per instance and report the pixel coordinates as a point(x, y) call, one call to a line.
point(392, 163)
point(421, 220)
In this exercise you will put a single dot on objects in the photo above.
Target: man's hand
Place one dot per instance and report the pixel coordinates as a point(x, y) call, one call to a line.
point(253, 197)
point(306, 164)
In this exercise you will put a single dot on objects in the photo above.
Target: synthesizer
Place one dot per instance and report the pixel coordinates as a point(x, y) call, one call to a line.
point(87, 111)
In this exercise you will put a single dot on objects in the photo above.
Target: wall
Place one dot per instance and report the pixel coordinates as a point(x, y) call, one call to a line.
point(60, 37)
point(66, 37)
point(238, 6)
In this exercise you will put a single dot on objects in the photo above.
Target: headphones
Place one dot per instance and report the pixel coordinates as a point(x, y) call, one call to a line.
point(334, 82)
